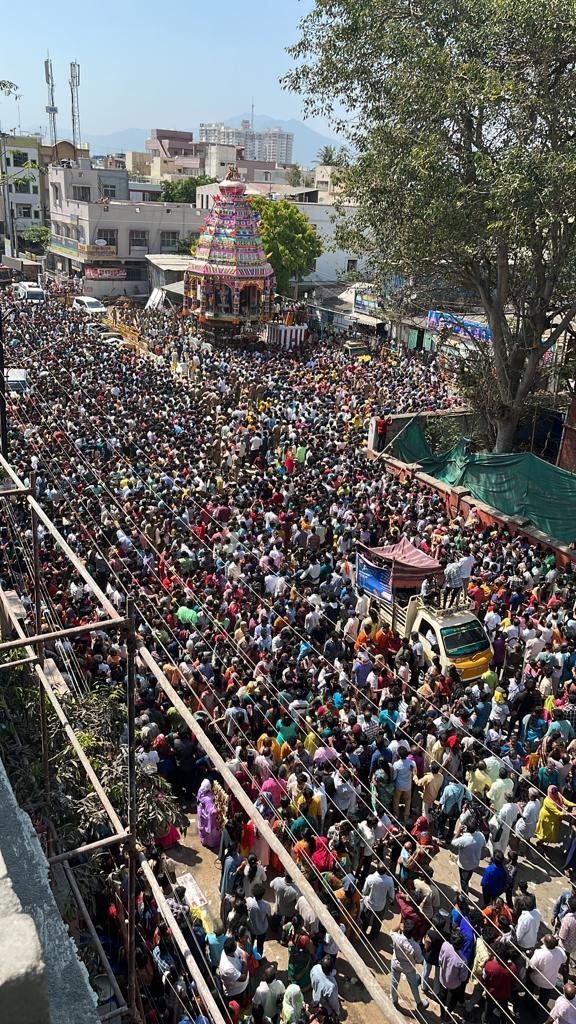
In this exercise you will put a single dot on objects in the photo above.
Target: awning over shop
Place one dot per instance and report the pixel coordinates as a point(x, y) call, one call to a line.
point(410, 565)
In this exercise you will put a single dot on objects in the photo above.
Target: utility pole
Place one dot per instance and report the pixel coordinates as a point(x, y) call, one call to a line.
point(3, 417)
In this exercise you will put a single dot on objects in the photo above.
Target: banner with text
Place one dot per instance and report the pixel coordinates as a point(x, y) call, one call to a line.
point(374, 579)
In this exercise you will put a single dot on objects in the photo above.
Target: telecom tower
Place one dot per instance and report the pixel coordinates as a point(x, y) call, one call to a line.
point(74, 84)
point(51, 109)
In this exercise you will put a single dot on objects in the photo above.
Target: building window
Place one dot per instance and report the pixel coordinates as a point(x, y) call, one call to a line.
point(138, 240)
point(109, 191)
point(135, 273)
point(22, 186)
point(322, 185)
point(351, 266)
point(19, 158)
point(108, 235)
point(81, 193)
point(36, 214)
point(23, 211)
point(169, 241)
point(35, 190)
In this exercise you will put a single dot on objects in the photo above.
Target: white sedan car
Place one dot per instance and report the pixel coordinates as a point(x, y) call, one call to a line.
point(87, 304)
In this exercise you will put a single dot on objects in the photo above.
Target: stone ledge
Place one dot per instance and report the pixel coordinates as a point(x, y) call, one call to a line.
point(23, 987)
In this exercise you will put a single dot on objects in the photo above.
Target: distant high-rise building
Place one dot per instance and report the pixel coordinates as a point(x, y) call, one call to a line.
point(268, 144)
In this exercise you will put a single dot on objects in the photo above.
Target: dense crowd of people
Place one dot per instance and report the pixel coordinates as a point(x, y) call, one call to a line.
point(230, 504)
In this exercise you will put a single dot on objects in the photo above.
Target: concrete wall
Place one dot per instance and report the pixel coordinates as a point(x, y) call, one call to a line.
point(42, 981)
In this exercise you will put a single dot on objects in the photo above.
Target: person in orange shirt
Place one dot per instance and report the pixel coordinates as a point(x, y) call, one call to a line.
point(497, 909)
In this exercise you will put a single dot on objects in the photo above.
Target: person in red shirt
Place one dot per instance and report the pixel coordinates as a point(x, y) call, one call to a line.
point(499, 976)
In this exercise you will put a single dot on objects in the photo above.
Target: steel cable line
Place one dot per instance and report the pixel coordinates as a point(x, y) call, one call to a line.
point(307, 640)
point(319, 654)
point(260, 598)
point(352, 922)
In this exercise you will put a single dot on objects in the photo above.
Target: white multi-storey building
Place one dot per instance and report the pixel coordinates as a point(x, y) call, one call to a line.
point(104, 238)
point(268, 144)
point(22, 158)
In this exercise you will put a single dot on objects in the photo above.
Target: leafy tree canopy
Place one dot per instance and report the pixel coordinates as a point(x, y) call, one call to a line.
point(184, 191)
point(38, 236)
point(463, 116)
point(290, 241)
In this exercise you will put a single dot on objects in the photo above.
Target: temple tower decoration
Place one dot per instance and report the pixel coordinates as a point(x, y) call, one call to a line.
point(229, 281)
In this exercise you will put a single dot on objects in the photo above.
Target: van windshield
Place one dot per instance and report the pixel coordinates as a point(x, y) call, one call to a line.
point(464, 639)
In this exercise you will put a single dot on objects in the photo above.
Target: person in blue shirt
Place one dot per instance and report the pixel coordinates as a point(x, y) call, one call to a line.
point(482, 714)
point(494, 879)
point(459, 918)
point(388, 717)
point(379, 750)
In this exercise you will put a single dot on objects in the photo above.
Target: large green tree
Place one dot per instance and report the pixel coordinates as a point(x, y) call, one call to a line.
point(462, 114)
point(290, 241)
point(184, 191)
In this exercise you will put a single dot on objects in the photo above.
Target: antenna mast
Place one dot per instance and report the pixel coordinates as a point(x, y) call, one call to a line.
point(74, 84)
point(51, 109)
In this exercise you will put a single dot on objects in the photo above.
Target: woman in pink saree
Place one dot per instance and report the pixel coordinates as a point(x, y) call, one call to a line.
point(207, 816)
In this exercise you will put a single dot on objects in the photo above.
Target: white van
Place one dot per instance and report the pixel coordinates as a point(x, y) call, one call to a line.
point(30, 291)
point(86, 304)
point(17, 381)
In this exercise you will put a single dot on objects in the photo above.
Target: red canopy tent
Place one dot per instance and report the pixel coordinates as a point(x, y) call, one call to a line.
point(409, 565)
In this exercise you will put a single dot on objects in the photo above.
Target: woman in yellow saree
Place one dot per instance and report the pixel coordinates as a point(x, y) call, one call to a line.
point(554, 809)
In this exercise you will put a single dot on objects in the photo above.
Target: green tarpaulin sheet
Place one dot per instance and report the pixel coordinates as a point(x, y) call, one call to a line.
point(518, 485)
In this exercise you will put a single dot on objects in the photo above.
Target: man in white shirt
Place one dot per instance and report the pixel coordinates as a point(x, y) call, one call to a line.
point(325, 986)
point(545, 964)
point(233, 970)
point(377, 893)
point(362, 604)
point(469, 846)
point(564, 1009)
point(309, 916)
point(528, 924)
point(270, 993)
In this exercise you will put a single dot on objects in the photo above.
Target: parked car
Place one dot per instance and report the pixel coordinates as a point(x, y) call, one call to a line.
point(87, 304)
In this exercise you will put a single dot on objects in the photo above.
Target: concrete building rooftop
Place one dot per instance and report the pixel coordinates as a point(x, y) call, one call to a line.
point(41, 977)
point(169, 261)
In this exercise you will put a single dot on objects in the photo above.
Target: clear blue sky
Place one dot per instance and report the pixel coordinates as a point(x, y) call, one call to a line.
point(144, 64)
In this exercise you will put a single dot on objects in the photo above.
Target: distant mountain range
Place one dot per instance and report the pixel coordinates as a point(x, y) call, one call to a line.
point(307, 141)
point(116, 142)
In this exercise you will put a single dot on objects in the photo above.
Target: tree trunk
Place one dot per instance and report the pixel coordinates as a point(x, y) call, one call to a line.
point(505, 433)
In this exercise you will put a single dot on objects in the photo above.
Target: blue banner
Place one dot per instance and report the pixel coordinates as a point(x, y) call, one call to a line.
point(456, 325)
point(373, 579)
